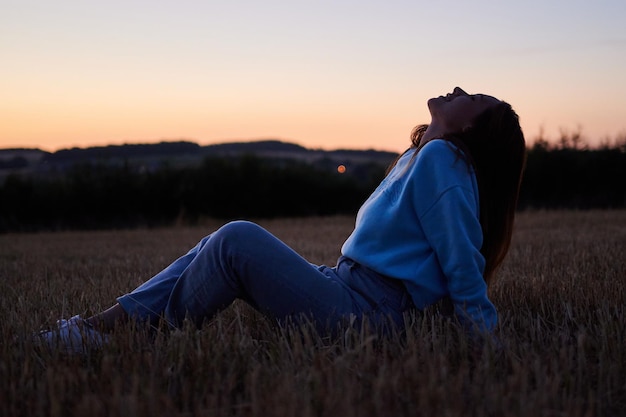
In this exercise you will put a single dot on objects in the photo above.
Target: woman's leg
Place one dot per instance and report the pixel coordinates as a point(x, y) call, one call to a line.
point(243, 260)
point(106, 320)
point(148, 301)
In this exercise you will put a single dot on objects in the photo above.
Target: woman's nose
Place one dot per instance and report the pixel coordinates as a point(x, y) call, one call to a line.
point(459, 90)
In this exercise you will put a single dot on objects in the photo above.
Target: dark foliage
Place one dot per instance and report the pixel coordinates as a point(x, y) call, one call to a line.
point(135, 185)
point(92, 196)
point(574, 178)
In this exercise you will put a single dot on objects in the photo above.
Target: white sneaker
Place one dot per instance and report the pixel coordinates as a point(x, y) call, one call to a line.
point(75, 335)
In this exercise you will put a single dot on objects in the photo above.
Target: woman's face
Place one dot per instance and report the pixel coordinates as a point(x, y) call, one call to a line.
point(456, 111)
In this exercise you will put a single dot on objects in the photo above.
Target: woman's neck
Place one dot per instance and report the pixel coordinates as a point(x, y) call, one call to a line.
point(434, 131)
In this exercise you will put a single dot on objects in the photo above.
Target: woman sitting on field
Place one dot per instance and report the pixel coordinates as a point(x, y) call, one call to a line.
point(434, 231)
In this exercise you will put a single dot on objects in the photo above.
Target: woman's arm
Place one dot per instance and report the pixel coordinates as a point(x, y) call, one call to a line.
point(446, 201)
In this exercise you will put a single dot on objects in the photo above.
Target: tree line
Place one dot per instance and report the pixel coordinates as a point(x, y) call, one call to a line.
point(98, 195)
point(92, 196)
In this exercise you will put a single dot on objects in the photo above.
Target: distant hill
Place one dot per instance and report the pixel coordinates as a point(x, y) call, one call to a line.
point(256, 146)
point(174, 154)
point(122, 151)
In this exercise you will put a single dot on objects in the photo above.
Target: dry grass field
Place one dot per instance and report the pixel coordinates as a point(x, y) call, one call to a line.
point(561, 297)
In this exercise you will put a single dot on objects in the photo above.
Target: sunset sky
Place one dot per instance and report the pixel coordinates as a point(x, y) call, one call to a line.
point(323, 74)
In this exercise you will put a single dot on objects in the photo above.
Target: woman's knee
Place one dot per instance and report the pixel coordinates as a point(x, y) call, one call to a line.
point(237, 234)
point(238, 230)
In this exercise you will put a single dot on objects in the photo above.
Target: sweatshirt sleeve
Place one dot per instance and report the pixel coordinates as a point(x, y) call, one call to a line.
point(448, 211)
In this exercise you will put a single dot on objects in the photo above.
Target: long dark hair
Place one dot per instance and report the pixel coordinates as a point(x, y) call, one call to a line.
point(496, 149)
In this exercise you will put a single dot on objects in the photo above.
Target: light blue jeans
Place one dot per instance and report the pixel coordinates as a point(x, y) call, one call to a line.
point(241, 260)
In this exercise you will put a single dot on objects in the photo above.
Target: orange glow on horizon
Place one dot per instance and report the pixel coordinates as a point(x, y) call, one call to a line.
point(358, 121)
point(249, 70)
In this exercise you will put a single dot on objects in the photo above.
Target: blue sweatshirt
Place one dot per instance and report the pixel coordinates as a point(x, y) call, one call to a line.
point(421, 226)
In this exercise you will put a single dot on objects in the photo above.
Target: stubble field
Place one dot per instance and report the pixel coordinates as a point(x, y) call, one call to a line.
point(560, 294)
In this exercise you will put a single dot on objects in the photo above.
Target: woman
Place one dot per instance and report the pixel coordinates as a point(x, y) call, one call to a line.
point(434, 230)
